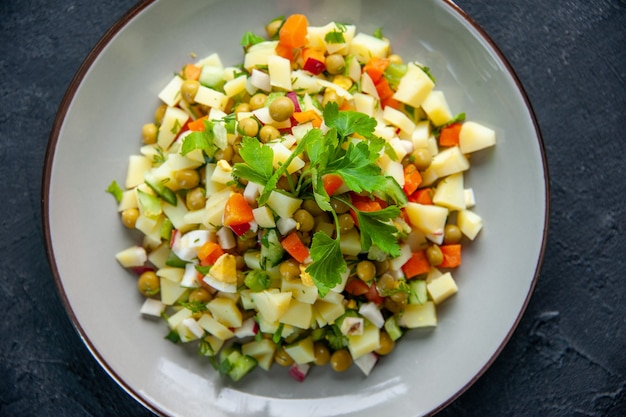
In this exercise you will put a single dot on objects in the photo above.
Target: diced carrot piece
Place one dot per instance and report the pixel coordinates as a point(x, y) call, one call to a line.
point(237, 211)
point(197, 125)
point(284, 51)
point(364, 205)
point(390, 101)
point(209, 252)
point(332, 182)
point(412, 179)
point(451, 255)
point(416, 265)
point(375, 68)
point(422, 196)
point(383, 89)
point(449, 135)
point(308, 116)
point(191, 72)
point(294, 31)
point(370, 205)
point(294, 247)
point(346, 105)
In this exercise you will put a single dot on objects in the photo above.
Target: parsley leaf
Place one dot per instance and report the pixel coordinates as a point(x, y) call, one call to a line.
point(200, 140)
point(173, 336)
point(392, 193)
point(328, 263)
point(115, 190)
point(378, 33)
point(259, 161)
point(374, 228)
point(270, 185)
point(348, 122)
point(336, 36)
point(357, 169)
point(249, 39)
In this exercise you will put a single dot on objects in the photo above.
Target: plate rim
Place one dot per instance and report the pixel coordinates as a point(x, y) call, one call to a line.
point(59, 121)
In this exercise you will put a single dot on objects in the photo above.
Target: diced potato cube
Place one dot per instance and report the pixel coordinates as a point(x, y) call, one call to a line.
point(419, 315)
point(301, 351)
point(271, 305)
point(364, 46)
point(441, 288)
point(436, 108)
point(364, 103)
point(264, 217)
point(450, 192)
point(300, 291)
point(137, 166)
point(283, 204)
point(429, 219)
point(398, 119)
point(298, 314)
point(171, 291)
point(474, 137)
point(208, 323)
point(235, 86)
point(367, 342)
point(470, 223)
point(170, 94)
point(173, 121)
point(414, 87)
point(279, 69)
point(281, 154)
point(225, 311)
point(176, 213)
point(211, 98)
point(329, 311)
point(263, 351)
point(172, 273)
point(258, 54)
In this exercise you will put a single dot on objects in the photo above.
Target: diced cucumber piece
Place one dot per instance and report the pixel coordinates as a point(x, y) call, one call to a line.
point(271, 249)
point(160, 188)
point(242, 366)
point(419, 294)
point(392, 328)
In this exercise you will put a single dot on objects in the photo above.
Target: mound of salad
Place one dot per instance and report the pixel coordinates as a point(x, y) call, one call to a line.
point(306, 207)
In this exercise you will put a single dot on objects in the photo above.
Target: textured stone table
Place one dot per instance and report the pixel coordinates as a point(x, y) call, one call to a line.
point(568, 355)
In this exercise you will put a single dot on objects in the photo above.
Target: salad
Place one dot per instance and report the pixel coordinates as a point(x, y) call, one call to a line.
point(306, 207)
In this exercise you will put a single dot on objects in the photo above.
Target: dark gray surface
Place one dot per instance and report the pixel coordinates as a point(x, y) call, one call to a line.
point(566, 358)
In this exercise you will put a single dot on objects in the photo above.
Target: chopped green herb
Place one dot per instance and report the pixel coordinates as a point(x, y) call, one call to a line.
point(328, 263)
point(203, 269)
point(194, 306)
point(173, 336)
point(249, 39)
point(115, 190)
point(378, 33)
point(259, 161)
point(204, 140)
point(459, 118)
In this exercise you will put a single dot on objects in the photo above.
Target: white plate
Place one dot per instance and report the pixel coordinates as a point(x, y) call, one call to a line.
point(98, 126)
